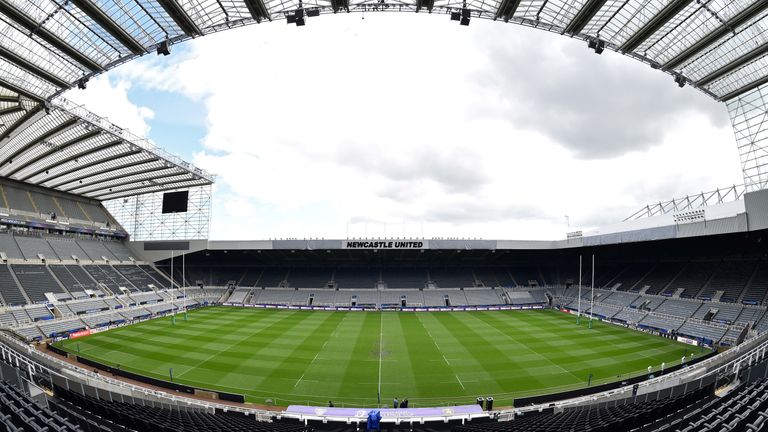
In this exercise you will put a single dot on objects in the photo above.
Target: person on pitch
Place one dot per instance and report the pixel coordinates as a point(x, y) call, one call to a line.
point(395, 403)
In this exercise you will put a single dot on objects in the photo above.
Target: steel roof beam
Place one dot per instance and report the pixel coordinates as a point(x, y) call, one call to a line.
point(54, 150)
point(116, 177)
point(507, 9)
point(129, 182)
point(34, 28)
point(654, 24)
point(740, 91)
point(160, 187)
point(258, 10)
point(728, 27)
point(11, 110)
point(735, 64)
point(16, 89)
point(589, 10)
point(32, 68)
point(107, 23)
point(180, 17)
point(71, 158)
point(53, 132)
point(95, 163)
point(31, 116)
point(139, 187)
point(10, 98)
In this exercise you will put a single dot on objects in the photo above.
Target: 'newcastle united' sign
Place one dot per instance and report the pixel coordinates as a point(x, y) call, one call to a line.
point(384, 244)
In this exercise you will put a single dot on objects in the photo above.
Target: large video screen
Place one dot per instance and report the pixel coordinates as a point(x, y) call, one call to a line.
point(175, 202)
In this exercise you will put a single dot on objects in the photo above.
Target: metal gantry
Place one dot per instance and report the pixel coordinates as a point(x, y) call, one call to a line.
point(691, 202)
point(142, 216)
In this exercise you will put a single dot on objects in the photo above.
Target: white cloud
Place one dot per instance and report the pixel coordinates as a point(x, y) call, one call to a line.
point(405, 125)
point(105, 97)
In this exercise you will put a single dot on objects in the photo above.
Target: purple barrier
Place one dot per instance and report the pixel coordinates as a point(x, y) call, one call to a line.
point(386, 413)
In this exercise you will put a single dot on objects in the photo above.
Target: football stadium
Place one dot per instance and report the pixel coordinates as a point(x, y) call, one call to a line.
point(119, 313)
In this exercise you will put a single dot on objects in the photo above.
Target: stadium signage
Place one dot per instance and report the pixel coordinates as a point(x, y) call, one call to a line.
point(79, 334)
point(384, 244)
point(686, 340)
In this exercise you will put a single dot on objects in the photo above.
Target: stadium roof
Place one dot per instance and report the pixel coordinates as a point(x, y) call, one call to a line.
point(49, 46)
point(62, 146)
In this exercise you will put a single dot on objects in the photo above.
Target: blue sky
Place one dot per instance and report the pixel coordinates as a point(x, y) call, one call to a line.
point(363, 126)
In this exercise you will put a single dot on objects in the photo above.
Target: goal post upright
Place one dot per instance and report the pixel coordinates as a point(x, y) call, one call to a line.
point(578, 312)
point(592, 296)
point(173, 294)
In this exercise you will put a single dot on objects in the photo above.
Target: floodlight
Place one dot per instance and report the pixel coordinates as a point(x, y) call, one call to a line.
point(164, 48)
point(592, 44)
point(313, 12)
point(290, 19)
point(600, 47)
point(455, 16)
point(464, 21)
point(82, 83)
point(465, 13)
point(300, 22)
point(680, 80)
point(299, 13)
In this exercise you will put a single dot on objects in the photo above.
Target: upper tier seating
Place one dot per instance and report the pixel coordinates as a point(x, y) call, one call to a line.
point(32, 247)
point(757, 290)
point(36, 281)
point(452, 277)
point(404, 278)
point(9, 290)
point(691, 279)
point(110, 278)
point(494, 277)
point(96, 251)
point(658, 278)
point(309, 278)
point(627, 279)
point(138, 277)
point(731, 278)
point(356, 278)
point(66, 248)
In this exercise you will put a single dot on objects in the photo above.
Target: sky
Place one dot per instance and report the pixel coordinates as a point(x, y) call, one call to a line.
point(406, 125)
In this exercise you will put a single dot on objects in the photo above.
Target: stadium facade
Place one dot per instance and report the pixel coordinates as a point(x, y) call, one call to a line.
point(87, 244)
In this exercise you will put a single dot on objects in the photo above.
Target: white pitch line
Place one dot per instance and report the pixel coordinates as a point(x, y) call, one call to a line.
point(457, 379)
point(381, 346)
point(297, 382)
point(446, 360)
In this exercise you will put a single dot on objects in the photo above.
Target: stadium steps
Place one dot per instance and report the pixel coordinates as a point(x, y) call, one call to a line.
point(4, 197)
point(59, 207)
point(18, 284)
point(31, 200)
point(749, 283)
point(87, 216)
point(55, 278)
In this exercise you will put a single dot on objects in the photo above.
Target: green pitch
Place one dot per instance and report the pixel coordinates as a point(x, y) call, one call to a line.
point(432, 358)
